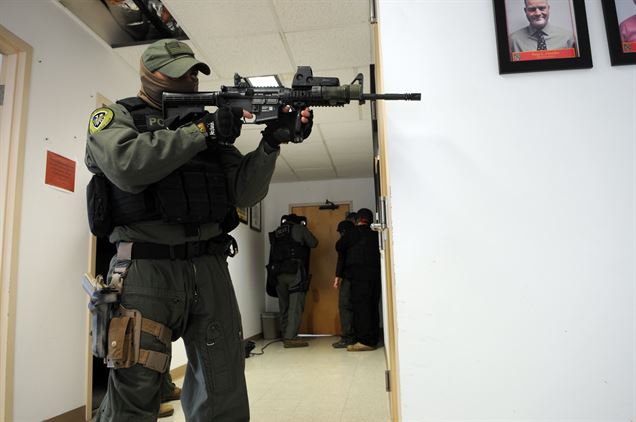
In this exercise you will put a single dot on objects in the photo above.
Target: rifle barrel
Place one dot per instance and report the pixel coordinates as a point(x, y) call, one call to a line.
point(406, 97)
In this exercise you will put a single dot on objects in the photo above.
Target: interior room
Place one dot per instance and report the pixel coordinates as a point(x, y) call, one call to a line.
point(503, 199)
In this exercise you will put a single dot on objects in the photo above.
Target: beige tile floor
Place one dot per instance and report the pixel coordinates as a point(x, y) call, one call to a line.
point(313, 384)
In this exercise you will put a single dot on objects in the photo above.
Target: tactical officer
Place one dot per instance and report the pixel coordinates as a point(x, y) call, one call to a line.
point(165, 193)
point(290, 244)
point(362, 265)
point(342, 282)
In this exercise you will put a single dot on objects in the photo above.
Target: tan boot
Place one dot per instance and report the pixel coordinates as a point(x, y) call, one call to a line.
point(165, 410)
point(359, 347)
point(173, 395)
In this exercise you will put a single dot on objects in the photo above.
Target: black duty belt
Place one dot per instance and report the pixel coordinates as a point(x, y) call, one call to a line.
point(220, 245)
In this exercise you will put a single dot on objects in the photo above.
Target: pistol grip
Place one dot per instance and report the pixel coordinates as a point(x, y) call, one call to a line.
point(298, 134)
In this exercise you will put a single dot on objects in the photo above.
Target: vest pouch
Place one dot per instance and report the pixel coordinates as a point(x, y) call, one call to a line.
point(171, 197)
point(120, 334)
point(217, 195)
point(98, 206)
point(196, 195)
point(270, 286)
point(124, 336)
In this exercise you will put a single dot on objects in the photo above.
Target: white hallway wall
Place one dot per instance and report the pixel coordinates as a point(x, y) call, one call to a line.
point(70, 66)
point(515, 286)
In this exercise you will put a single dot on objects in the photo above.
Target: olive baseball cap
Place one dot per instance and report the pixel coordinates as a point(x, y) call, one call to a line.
point(172, 58)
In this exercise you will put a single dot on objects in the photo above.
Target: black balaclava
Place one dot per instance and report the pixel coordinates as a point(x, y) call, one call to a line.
point(152, 87)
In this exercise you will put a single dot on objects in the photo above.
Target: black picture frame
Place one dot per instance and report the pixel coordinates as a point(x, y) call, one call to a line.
point(243, 214)
point(619, 51)
point(255, 217)
point(510, 62)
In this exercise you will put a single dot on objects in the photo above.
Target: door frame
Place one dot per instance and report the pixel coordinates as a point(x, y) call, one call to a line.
point(16, 74)
point(100, 101)
point(390, 342)
point(317, 204)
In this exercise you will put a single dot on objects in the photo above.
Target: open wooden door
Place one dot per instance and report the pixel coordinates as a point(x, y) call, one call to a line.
point(382, 224)
point(321, 314)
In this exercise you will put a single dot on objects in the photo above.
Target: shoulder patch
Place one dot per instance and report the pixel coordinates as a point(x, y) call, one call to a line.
point(100, 119)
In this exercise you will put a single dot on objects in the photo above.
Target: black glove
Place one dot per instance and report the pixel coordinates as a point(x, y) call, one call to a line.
point(282, 129)
point(223, 126)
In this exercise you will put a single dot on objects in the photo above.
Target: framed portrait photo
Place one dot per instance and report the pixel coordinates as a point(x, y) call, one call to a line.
point(255, 217)
point(541, 35)
point(620, 25)
point(242, 214)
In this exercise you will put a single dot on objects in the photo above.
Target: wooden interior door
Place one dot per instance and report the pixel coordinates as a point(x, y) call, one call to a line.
point(321, 314)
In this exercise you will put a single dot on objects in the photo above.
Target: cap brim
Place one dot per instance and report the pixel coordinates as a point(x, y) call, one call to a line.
point(179, 67)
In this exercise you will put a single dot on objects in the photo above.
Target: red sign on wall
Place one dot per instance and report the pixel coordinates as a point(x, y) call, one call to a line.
point(60, 172)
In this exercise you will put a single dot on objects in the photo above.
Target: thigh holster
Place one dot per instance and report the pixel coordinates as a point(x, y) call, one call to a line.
point(124, 341)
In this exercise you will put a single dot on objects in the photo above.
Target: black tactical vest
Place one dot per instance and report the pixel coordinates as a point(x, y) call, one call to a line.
point(193, 194)
point(365, 251)
point(285, 250)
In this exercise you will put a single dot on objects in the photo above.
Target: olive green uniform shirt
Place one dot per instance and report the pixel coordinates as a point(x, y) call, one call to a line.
point(133, 161)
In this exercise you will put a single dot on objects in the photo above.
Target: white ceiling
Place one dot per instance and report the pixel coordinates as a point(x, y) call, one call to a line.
point(259, 37)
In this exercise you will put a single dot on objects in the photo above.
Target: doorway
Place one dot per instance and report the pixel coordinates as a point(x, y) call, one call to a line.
point(15, 74)
point(321, 315)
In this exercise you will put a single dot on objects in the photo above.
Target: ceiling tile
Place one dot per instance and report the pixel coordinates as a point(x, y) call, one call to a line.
point(316, 174)
point(338, 47)
point(302, 15)
point(309, 159)
point(347, 137)
point(360, 170)
point(361, 158)
point(283, 173)
point(223, 19)
point(206, 83)
point(347, 113)
point(249, 56)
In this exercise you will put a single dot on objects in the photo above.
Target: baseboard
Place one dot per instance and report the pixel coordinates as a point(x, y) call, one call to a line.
point(75, 415)
point(255, 337)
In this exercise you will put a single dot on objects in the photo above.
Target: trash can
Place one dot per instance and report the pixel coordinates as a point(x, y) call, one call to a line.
point(271, 325)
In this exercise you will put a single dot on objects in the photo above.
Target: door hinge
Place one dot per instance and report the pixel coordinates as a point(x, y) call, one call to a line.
point(1, 95)
point(373, 14)
point(387, 379)
point(382, 219)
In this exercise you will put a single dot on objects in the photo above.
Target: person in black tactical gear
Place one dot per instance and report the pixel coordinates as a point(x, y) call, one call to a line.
point(342, 282)
point(362, 265)
point(165, 193)
point(290, 244)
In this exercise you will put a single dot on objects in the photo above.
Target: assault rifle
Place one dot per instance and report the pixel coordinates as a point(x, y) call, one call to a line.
point(263, 102)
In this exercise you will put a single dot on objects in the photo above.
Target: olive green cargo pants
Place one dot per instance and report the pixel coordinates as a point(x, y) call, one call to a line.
point(290, 305)
point(195, 298)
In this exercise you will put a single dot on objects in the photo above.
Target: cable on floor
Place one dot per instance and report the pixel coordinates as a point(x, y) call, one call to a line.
point(263, 348)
